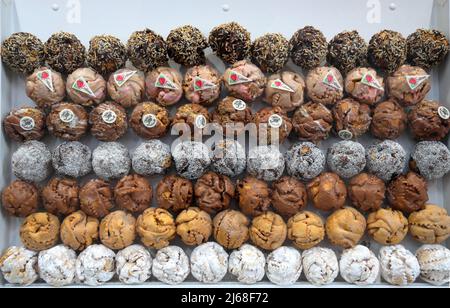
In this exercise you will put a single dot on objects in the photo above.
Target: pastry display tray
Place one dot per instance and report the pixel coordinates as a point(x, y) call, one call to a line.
point(86, 18)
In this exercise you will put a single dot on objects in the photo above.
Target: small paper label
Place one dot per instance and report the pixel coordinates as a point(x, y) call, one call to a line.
point(27, 123)
point(203, 84)
point(370, 80)
point(331, 81)
point(237, 78)
point(66, 115)
point(82, 86)
point(149, 120)
point(345, 134)
point(109, 116)
point(275, 121)
point(280, 85)
point(415, 81)
point(165, 83)
point(239, 105)
point(121, 78)
point(200, 121)
point(46, 78)
point(444, 113)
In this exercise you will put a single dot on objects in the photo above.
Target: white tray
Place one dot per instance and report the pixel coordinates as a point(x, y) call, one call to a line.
point(86, 18)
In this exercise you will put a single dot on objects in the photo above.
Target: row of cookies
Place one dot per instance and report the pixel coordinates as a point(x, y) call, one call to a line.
point(308, 48)
point(209, 263)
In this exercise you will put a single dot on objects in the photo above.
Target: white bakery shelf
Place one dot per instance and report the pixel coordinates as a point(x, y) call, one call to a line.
point(86, 18)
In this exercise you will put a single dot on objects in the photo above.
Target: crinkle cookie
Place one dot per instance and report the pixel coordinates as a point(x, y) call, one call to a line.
point(387, 226)
point(171, 265)
point(57, 266)
point(320, 265)
point(72, 159)
point(268, 231)
point(32, 162)
point(265, 163)
point(19, 266)
point(118, 230)
point(430, 225)
point(431, 160)
point(284, 266)
point(398, 265)
point(359, 266)
point(156, 227)
point(191, 159)
point(209, 263)
point(194, 226)
point(228, 158)
point(79, 231)
point(96, 265)
point(231, 229)
point(386, 160)
point(347, 158)
point(346, 227)
point(247, 264)
point(434, 263)
point(111, 160)
point(305, 161)
point(151, 158)
point(40, 231)
point(306, 230)
point(134, 265)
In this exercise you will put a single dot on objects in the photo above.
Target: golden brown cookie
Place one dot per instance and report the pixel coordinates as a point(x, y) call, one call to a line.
point(327, 192)
point(118, 230)
point(387, 226)
point(156, 228)
point(268, 231)
point(231, 229)
point(194, 226)
point(40, 231)
point(306, 230)
point(345, 228)
point(430, 225)
point(78, 231)
point(60, 196)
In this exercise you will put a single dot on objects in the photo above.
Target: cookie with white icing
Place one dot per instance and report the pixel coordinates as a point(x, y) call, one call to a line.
point(171, 265)
point(57, 266)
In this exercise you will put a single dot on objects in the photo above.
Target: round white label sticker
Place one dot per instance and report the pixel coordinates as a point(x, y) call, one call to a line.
point(66, 115)
point(149, 120)
point(27, 123)
point(200, 121)
point(275, 121)
point(345, 134)
point(109, 116)
point(444, 113)
point(239, 105)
